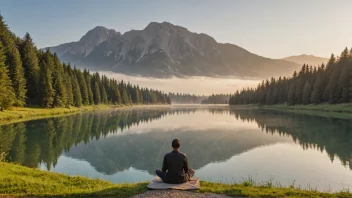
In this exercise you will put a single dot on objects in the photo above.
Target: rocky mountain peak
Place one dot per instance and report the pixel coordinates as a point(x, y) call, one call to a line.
point(164, 50)
point(99, 34)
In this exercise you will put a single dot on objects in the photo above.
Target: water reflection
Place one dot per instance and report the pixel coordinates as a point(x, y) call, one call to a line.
point(117, 141)
point(311, 132)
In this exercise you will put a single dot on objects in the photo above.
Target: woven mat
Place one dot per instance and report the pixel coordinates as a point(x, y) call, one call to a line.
point(158, 184)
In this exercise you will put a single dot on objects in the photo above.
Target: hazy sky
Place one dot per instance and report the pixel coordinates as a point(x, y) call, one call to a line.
point(271, 28)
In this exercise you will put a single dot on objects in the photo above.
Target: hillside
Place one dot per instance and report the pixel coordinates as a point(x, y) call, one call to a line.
point(307, 59)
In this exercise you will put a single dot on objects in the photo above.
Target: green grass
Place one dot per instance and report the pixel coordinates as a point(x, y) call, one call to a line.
point(19, 114)
point(18, 180)
point(22, 181)
point(246, 189)
point(343, 111)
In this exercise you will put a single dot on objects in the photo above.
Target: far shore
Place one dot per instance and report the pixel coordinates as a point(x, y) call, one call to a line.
point(20, 114)
point(343, 111)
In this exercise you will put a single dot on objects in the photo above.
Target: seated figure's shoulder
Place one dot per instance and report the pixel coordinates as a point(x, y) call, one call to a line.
point(167, 154)
point(183, 154)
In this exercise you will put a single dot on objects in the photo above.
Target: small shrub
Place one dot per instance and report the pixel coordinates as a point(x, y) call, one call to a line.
point(2, 157)
point(248, 182)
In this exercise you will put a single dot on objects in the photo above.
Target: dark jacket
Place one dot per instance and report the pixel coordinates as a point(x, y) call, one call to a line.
point(176, 165)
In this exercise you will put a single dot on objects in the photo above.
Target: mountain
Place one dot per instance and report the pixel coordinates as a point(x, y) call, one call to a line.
point(165, 50)
point(307, 59)
point(71, 52)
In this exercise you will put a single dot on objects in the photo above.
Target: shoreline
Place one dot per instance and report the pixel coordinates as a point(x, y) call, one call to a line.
point(17, 180)
point(21, 114)
point(342, 111)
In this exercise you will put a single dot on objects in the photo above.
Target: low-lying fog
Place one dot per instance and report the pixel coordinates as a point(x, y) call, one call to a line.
point(193, 85)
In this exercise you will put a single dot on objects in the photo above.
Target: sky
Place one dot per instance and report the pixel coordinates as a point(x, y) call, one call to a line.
point(270, 28)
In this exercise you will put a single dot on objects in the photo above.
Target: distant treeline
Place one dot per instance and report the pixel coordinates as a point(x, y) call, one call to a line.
point(312, 85)
point(179, 98)
point(29, 76)
point(217, 99)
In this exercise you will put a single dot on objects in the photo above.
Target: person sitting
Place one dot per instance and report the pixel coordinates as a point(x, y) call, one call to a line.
point(175, 168)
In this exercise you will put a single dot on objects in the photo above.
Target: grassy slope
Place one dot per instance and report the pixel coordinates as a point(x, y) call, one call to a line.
point(19, 114)
point(21, 181)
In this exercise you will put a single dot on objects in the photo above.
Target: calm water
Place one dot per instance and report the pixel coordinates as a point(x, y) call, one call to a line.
point(222, 144)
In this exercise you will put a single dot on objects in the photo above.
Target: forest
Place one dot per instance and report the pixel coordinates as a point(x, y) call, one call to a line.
point(34, 77)
point(179, 98)
point(217, 99)
point(330, 83)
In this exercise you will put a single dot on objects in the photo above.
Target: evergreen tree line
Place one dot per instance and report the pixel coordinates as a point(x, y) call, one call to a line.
point(29, 76)
point(217, 99)
point(179, 98)
point(330, 83)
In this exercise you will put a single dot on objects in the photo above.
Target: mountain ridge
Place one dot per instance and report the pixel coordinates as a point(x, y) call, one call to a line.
point(166, 50)
point(307, 59)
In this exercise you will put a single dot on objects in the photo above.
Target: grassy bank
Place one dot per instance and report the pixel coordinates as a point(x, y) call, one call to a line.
point(19, 114)
point(327, 110)
point(21, 181)
point(343, 111)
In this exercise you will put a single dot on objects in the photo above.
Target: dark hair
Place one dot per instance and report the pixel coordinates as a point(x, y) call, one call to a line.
point(175, 143)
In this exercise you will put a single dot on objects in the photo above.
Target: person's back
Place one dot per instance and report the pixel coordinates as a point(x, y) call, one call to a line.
point(175, 166)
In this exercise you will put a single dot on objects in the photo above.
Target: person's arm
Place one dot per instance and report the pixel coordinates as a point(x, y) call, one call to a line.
point(185, 166)
point(164, 169)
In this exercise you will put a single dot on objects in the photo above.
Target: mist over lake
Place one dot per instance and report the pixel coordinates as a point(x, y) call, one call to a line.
point(196, 85)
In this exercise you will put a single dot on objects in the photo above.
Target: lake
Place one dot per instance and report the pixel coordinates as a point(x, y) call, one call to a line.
point(223, 144)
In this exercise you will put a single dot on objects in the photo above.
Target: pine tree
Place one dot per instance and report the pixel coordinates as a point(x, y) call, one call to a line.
point(115, 93)
point(83, 86)
point(31, 68)
point(58, 84)
point(103, 95)
point(7, 94)
point(119, 98)
point(13, 60)
point(77, 97)
point(329, 87)
point(291, 95)
point(306, 93)
point(96, 93)
point(343, 66)
point(68, 86)
point(332, 87)
point(129, 99)
point(89, 86)
point(125, 97)
point(344, 84)
point(318, 90)
point(46, 91)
